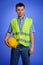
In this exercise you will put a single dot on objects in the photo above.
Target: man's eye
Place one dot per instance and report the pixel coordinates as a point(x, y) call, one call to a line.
point(18, 10)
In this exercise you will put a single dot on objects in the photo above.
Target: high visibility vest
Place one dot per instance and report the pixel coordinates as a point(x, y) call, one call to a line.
point(22, 37)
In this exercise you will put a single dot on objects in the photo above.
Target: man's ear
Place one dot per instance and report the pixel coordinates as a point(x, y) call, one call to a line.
point(16, 10)
point(24, 10)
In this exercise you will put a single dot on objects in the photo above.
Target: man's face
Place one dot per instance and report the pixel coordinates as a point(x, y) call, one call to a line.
point(20, 11)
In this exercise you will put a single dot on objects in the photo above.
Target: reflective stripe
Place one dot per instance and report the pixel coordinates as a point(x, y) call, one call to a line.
point(24, 40)
point(16, 33)
point(21, 33)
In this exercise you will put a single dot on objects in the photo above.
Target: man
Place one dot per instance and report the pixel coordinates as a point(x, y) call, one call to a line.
point(23, 30)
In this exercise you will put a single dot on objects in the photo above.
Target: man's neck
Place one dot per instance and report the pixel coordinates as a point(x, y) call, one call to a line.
point(21, 16)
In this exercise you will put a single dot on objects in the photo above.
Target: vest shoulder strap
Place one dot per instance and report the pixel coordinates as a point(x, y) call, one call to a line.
point(13, 20)
point(28, 20)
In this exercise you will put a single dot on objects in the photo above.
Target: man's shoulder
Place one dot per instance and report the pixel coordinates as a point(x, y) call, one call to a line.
point(12, 20)
point(29, 18)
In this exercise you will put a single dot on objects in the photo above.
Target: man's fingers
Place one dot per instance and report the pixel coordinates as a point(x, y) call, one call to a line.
point(31, 51)
point(7, 43)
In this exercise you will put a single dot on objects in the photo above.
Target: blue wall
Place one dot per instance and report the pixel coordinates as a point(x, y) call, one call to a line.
point(34, 9)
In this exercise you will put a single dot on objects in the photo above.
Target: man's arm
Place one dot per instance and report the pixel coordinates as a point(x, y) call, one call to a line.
point(32, 41)
point(32, 30)
point(8, 34)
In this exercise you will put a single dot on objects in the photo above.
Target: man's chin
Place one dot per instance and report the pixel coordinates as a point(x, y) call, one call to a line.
point(20, 15)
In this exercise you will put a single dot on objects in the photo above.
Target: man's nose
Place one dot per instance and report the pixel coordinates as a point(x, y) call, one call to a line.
point(20, 12)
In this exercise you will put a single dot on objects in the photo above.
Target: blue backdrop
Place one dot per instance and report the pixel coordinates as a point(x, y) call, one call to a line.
point(34, 9)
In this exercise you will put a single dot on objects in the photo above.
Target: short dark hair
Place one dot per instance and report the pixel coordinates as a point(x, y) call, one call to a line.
point(20, 4)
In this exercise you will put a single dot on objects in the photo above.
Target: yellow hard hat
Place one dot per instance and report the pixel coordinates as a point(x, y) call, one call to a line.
point(12, 42)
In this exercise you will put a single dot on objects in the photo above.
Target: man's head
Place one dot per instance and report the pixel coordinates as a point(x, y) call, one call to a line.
point(20, 8)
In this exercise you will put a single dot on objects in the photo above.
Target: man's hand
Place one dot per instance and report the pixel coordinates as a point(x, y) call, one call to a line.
point(6, 38)
point(31, 51)
point(6, 42)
